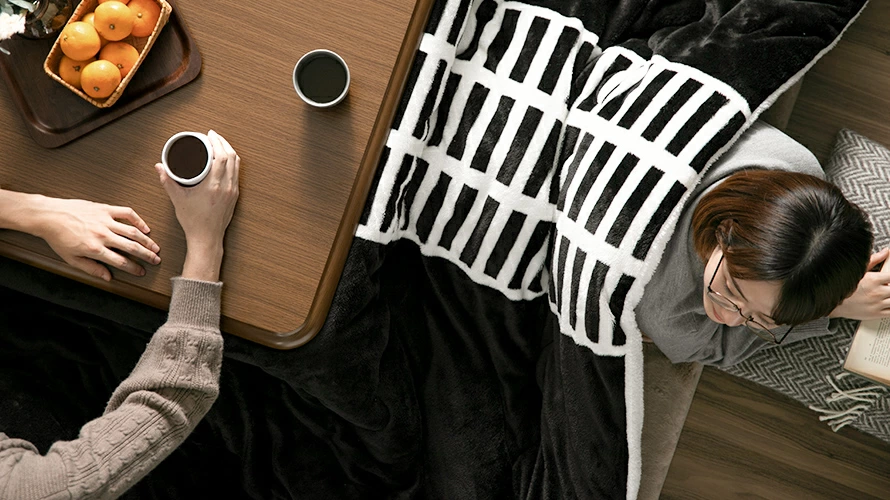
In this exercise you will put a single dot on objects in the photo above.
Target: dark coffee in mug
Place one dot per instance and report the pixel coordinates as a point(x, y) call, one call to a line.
point(322, 78)
point(187, 157)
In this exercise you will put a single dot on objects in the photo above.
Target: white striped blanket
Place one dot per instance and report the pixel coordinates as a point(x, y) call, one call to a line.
point(536, 168)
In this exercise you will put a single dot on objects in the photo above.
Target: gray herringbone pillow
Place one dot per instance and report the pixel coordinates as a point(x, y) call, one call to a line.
point(861, 168)
point(810, 371)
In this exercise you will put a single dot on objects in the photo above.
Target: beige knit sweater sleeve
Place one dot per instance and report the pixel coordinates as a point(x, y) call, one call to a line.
point(171, 388)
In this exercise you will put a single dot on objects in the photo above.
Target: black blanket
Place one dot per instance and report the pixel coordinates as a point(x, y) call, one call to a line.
point(482, 342)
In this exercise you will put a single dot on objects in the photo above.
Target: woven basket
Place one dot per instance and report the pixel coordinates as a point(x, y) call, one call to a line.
point(142, 44)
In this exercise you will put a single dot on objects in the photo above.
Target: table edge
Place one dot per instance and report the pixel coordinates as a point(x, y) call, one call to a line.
point(336, 261)
point(333, 269)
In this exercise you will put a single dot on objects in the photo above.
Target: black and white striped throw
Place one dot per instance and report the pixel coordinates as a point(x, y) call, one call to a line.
point(537, 165)
point(481, 343)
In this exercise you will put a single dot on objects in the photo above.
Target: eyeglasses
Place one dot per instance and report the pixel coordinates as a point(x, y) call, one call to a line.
point(772, 335)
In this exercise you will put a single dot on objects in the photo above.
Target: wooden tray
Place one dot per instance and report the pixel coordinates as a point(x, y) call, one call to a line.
point(55, 116)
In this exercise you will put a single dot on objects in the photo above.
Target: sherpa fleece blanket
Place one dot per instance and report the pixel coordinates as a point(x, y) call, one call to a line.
point(543, 154)
point(482, 341)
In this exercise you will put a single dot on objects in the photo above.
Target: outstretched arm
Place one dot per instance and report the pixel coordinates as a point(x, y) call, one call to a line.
point(175, 381)
point(172, 387)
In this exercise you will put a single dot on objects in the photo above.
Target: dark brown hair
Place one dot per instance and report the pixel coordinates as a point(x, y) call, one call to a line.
point(791, 228)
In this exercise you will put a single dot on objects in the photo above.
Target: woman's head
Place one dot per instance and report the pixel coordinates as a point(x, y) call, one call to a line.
point(794, 231)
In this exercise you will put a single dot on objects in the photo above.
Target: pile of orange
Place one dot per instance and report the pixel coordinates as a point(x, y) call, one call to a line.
point(97, 56)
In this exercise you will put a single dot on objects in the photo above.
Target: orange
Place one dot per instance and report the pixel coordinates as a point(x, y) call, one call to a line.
point(90, 18)
point(99, 79)
point(121, 54)
point(79, 41)
point(125, 2)
point(114, 20)
point(70, 70)
point(147, 13)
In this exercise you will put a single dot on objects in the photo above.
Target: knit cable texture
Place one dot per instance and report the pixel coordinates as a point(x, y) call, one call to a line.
point(171, 388)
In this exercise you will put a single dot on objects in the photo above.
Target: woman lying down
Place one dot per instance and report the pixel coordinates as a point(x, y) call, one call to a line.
point(766, 253)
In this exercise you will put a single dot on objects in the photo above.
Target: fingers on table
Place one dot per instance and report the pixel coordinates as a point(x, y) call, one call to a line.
point(129, 215)
point(124, 238)
point(118, 260)
point(135, 242)
point(91, 267)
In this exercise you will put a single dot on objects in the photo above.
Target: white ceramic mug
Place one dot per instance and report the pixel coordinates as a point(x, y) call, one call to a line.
point(190, 181)
point(301, 66)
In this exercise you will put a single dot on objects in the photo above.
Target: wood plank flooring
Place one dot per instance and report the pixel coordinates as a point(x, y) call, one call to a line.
point(742, 440)
point(849, 87)
point(745, 441)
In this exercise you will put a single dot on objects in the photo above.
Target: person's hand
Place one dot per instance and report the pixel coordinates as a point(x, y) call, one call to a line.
point(205, 210)
point(87, 234)
point(871, 300)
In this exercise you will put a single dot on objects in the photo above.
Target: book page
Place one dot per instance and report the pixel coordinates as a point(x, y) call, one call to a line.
point(879, 353)
point(869, 354)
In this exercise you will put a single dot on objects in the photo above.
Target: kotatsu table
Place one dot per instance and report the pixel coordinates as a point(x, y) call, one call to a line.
point(305, 172)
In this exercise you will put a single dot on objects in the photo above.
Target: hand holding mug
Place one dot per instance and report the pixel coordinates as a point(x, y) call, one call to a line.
point(205, 210)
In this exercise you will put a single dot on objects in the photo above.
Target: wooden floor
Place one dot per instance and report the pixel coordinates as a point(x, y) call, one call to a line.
point(742, 440)
point(849, 87)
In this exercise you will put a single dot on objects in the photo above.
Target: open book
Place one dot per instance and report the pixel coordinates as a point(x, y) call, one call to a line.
point(869, 354)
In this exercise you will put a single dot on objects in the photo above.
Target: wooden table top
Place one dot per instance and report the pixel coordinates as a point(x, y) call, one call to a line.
point(305, 172)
